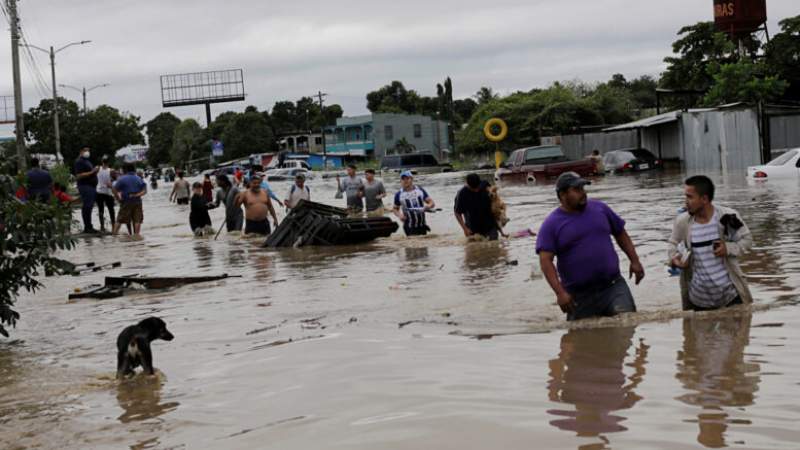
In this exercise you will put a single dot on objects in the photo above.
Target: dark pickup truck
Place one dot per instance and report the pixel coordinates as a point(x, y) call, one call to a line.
point(540, 163)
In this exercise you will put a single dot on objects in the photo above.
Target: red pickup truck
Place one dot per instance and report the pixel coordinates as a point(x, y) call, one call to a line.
point(540, 163)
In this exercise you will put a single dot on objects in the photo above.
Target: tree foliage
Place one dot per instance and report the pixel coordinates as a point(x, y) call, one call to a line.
point(105, 129)
point(245, 134)
point(743, 81)
point(30, 235)
point(782, 56)
point(187, 143)
point(160, 135)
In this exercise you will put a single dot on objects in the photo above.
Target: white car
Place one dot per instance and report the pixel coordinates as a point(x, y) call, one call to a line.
point(785, 166)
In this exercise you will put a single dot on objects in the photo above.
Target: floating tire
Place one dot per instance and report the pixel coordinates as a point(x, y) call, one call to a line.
point(489, 132)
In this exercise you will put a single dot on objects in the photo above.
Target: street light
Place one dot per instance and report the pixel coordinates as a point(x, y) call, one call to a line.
point(52, 54)
point(83, 91)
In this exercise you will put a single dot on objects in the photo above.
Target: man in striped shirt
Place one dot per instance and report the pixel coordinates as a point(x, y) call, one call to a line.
point(410, 205)
point(715, 236)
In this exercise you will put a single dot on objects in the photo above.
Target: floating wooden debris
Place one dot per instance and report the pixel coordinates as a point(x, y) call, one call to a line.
point(117, 286)
point(311, 223)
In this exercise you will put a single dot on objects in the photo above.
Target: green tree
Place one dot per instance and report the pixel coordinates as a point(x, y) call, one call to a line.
point(283, 115)
point(217, 128)
point(30, 235)
point(187, 142)
point(104, 129)
point(246, 134)
point(464, 108)
point(743, 81)
point(394, 98)
point(160, 135)
point(485, 95)
point(783, 56)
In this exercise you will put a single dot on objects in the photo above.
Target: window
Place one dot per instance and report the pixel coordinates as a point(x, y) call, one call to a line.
point(417, 130)
point(318, 140)
point(388, 132)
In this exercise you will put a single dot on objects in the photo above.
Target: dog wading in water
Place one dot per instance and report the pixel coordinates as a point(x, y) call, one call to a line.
point(133, 345)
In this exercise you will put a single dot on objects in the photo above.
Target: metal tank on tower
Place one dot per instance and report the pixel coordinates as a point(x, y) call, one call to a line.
point(740, 18)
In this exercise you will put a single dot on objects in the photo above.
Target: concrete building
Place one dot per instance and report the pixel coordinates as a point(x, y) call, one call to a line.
point(375, 135)
point(301, 142)
point(132, 153)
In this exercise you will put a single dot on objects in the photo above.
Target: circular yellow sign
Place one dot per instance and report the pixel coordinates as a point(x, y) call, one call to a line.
point(489, 133)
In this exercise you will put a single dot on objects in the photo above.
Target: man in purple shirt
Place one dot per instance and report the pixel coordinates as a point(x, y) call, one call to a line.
point(578, 234)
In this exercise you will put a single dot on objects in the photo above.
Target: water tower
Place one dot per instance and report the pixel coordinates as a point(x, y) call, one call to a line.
point(740, 18)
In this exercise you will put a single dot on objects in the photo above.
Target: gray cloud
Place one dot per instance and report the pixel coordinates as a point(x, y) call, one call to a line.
point(349, 47)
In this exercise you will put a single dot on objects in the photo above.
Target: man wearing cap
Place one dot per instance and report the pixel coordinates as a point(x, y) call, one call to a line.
point(298, 191)
point(105, 197)
point(578, 235)
point(411, 203)
point(86, 175)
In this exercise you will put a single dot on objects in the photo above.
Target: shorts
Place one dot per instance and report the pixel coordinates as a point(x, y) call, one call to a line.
point(131, 212)
point(416, 231)
point(183, 201)
point(610, 300)
point(491, 235)
point(377, 212)
point(261, 227)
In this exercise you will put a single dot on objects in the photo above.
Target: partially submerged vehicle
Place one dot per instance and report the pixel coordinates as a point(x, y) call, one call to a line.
point(630, 160)
point(540, 163)
point(785, 166)
point(417, 163)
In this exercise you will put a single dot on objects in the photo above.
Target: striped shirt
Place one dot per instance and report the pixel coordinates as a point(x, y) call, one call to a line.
point(711, 285)
point(413, 204)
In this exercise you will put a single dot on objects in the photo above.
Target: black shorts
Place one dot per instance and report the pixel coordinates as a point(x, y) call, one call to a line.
point(417, 231)
point(257, 227)
point(734, 302)
point(603, 300)
point(183, 201)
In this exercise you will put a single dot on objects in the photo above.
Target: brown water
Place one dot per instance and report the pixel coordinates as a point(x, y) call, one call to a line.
point(375, 346)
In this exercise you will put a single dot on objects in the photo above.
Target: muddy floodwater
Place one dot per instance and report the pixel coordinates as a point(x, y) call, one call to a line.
point(423, 343)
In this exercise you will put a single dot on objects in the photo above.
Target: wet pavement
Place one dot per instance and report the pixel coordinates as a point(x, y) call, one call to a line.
point(428, 342)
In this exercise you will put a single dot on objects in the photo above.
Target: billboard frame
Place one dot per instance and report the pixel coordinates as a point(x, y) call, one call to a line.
point(202, 88)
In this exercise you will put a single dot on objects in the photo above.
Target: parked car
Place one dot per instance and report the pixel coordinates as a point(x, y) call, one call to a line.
point(415, 162)
point(287, 174)
point(541, 163)
point(630, 160)
point(785, 166)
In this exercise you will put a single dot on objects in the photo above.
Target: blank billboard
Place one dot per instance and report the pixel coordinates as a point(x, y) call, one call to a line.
point(202, 87)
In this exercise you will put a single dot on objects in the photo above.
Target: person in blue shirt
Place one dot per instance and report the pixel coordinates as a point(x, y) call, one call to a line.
point(129, 190)
point(410, 205)
point(40, 183)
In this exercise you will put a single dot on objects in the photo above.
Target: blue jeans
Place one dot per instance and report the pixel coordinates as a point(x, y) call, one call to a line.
point(88, 194)
point(607, 300)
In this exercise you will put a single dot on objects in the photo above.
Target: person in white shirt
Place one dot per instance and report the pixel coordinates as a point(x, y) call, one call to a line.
point(299, 191)
point(105, 197)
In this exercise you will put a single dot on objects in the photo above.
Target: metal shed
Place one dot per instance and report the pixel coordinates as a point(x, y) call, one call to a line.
point(726, 138)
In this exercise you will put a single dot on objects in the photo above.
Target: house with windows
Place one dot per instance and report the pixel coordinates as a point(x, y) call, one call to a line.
point(373, 136)
point(301, 142)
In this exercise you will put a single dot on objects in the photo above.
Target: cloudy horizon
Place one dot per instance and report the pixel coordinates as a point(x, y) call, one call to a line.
point(347, 49)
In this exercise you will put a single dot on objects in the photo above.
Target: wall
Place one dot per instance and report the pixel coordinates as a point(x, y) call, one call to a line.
point(784, 132)
point(671, 142)
point(577, 146)
point(720, 139)
point(433, 138)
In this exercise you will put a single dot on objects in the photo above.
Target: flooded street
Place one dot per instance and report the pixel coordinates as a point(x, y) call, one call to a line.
point(416, 343)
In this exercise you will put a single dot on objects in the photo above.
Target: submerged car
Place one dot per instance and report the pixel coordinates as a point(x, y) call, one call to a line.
point(417, 163)
point(630, 160)
point(785, 166)
point(540, 163)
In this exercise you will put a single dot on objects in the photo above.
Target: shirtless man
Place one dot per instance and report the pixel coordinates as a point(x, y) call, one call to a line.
point(256, 206)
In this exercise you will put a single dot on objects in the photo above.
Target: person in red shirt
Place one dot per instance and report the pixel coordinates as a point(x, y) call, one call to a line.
point(208, 189)
point(60, 193)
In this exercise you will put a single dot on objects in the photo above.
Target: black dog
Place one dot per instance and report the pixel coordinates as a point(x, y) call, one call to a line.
point(133, 345)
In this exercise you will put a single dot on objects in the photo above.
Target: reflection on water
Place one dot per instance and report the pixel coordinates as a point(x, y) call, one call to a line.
point(140, 399)
point(713, 369)
point(589, 374)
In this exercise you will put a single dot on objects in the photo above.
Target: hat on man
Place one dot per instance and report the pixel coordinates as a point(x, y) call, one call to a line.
point(406, 174)
point(300, 176)
point(569, 180)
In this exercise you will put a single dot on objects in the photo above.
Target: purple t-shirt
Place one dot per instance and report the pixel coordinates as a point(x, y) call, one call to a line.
point(582, 244)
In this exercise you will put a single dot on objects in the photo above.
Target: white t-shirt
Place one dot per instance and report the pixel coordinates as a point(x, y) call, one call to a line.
point(104, 181)
point(296, 194)
point(711, 285)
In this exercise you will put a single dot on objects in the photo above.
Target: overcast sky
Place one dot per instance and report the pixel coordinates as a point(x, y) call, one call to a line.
point(346, 48)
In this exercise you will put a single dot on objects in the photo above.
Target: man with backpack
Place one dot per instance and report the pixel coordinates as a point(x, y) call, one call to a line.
point(299, 191)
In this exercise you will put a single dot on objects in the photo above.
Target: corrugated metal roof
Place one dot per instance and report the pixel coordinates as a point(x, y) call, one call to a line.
point(648, 122)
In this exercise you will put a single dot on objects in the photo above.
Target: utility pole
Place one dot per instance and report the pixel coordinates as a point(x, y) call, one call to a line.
point(83, 91)
point(52, 54)
point(22, 154)
point(322, 95)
